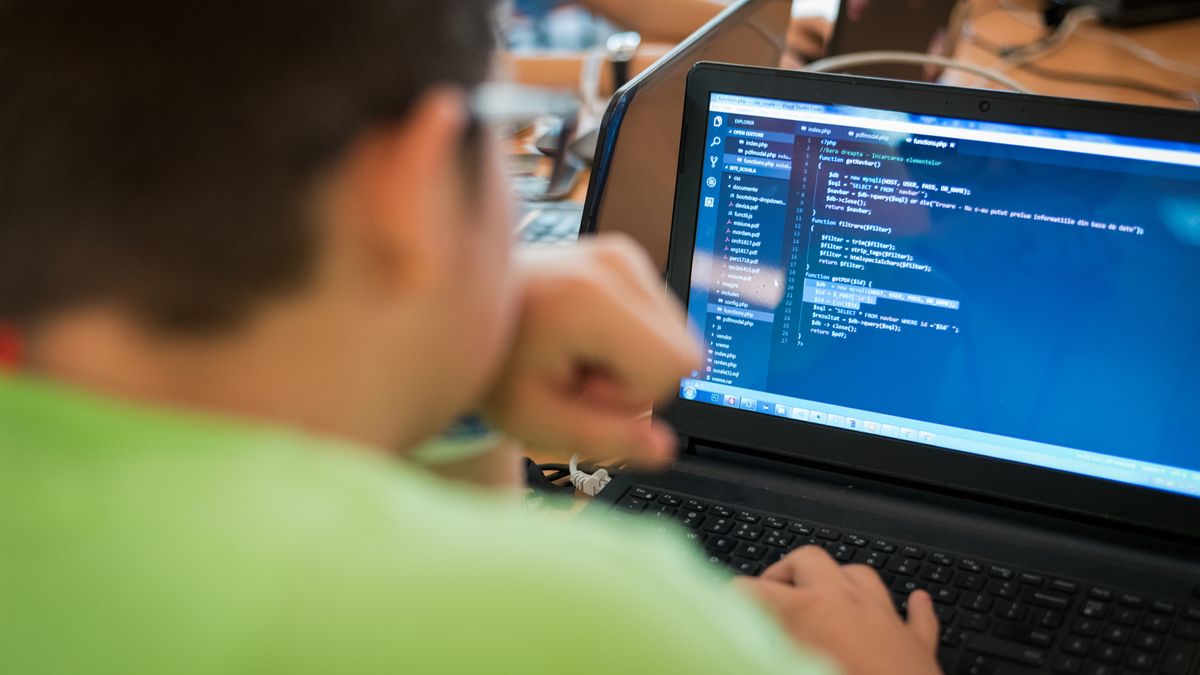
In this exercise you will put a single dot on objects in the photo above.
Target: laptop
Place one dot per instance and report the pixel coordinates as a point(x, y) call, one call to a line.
point(632, 182)
point(951, 334)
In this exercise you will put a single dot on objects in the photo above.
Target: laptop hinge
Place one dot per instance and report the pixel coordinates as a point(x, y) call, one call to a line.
point(695, 450)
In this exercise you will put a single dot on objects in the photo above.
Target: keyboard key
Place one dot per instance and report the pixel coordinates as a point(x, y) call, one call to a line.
point(1126, 616)
point(1049, 600)
point(1100, 669)
point(750, 551)
point(721, 512)
point(1117, 634)
point(1011, 610)
point(778, 538)
point(1004, 589)
point(906, 566)
point(1085, 627)
point(1019, 632)
point(976, 622)
point(941, 559)
point(1048, 619)
point(1157, 623)
point(1076, 646)
point(748, 531)
point(881, 545)
point(693, 505)
point(1140, 661)
point(1102, 594)
point(1163, 607)
point(632, 504)
point(946, 595)
point(1134, 601)
point(980, 603)
point(800, 529)
point(913, 552)
point(1031, 579)
point(1000, 572)
point(718, 525)
point(951, 637)
point(721, 544)
point(1177, 660)
point(1064, 586)
point(876, 559)
point(747, 517)
point(749, 567)
point(718, 560)
point(1006, 650)
point(906, 586)
point(666, 512)
point(938, 574)
point(831, 535)
point(692, 519)
point(669, 499)
point(843, 553)
point(970, 582)
point(1108, 653)
point(945, 614)
point(855, 540)
point(1148, 642)
point(1192, 613)
point(1068, 665)
point(775, 523)
point(1094, 609)
point(1188, 630)
point(642, 493)
point(969, 565)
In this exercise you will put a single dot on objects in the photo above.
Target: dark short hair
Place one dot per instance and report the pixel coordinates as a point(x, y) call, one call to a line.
point(163, 156)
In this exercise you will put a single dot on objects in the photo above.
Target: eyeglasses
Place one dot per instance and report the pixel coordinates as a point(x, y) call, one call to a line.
point(553, 116)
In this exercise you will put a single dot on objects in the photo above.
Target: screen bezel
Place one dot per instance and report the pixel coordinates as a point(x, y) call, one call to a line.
point(759, 434)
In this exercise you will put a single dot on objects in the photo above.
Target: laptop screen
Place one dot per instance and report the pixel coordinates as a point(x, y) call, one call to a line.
point(1022, 293)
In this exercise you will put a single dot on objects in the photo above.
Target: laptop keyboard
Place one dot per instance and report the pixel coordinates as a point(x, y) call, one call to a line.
point(551, 224)
point(995, 618)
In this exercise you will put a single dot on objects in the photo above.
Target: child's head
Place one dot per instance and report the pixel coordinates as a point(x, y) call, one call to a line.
point(206, 170)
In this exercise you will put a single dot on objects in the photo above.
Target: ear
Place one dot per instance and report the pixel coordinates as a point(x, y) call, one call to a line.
point(403, 189)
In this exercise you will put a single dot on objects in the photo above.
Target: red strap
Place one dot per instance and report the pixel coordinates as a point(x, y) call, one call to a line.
point(10, 347)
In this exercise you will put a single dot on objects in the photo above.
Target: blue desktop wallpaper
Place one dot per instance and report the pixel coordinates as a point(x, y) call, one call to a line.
point(1037, 294)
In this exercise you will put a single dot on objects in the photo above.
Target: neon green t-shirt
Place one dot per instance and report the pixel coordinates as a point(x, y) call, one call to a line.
point(139, 540)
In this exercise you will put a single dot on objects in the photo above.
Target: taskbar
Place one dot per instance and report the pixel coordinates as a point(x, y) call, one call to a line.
point(1087, 463)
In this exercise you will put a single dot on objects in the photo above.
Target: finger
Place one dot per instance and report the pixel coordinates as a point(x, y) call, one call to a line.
point(628, 340)
point(923, 620)
point(806, 566)
point(621, 254)
point(551, 420)
point(773, 595)
point(868, 583)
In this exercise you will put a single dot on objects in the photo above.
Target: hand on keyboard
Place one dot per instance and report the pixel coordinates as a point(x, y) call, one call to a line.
point(847, 613)
point(599, 340)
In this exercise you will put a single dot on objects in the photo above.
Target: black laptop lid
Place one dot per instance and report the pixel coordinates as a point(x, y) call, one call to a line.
point(633, 183)
point(984, 291)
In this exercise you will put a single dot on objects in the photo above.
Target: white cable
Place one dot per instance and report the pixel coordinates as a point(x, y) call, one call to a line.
point(589, 484)
point(1054, 41)
point(1109, 37)
point(1143, 53)
point(838, 63)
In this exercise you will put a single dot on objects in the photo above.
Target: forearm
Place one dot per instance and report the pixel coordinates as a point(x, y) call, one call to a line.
point(662, 20)
point(562, 70)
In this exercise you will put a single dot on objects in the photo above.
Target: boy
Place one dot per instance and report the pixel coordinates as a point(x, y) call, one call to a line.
point(246, 245)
